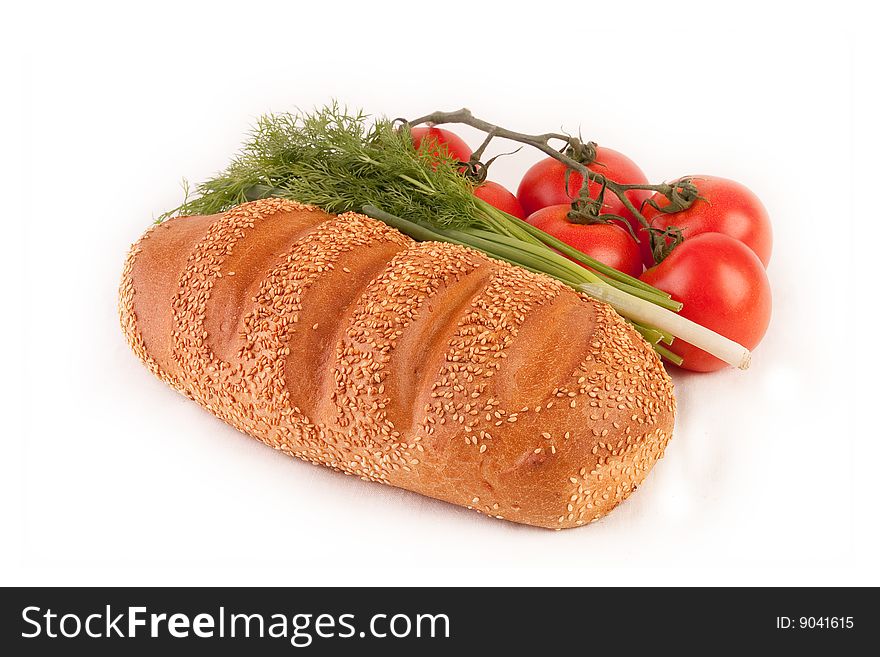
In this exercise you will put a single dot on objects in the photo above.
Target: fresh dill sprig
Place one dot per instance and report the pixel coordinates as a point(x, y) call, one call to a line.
point(341, 161)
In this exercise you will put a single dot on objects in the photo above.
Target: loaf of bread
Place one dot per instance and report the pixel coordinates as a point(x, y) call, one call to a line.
point(425, 366)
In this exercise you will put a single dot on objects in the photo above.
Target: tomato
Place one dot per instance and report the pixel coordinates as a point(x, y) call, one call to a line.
point(729, 208)
point(723, 286)
point(607, 243)
point(500, 197)
point(544, 183)
point(436, 138)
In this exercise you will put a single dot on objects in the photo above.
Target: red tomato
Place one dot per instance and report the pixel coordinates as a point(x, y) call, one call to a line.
point(607, 243)
point(723, 286)
point(544, 183)
point(436, 138)
point(729, 208)
point(500, 197)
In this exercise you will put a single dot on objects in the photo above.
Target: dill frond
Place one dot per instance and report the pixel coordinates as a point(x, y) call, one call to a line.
point(341, 161)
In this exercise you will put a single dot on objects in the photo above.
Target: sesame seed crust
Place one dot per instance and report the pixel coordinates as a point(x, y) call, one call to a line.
point(425, 366)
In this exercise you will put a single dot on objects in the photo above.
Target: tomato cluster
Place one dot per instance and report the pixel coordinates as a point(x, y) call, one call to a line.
point(717, 271)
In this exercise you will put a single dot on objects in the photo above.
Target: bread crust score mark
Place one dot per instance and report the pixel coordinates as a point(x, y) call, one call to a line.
point(425, 366)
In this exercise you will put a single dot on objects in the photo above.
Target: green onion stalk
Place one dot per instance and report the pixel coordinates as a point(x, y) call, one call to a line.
point(342, 161)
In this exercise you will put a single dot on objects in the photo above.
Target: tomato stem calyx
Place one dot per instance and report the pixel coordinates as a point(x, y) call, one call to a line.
point(664, 241)
point(680, 194)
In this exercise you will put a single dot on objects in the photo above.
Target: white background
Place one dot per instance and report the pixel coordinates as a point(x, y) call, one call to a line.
point(109, 477)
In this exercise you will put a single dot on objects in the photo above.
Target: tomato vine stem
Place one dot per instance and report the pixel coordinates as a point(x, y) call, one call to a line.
point(576, 154)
